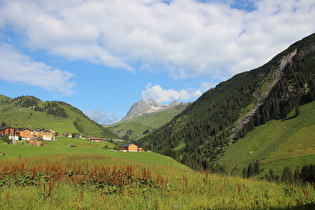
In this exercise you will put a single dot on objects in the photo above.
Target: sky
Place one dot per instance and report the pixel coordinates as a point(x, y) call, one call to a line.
point(102, 56)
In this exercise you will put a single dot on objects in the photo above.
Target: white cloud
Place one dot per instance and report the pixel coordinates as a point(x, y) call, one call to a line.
point(16, 67)
point(103, 118)
point(185, 37)
point(161, 95)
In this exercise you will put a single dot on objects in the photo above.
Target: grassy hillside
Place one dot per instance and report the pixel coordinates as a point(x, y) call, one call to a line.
point(136, 126)
point(276, 144)
point(116, 180)
point(28, 111)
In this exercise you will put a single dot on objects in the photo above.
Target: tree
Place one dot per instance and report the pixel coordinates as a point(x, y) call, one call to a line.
point(256, 168)
point(6, 139)
point(297, 110)
point(146, 131)
point(271, 176)
point(125, 137)
point(244, 173)
point(250, 170)
point(287, 175)
point(297, 174)
point(3, 124)
point(308, 174)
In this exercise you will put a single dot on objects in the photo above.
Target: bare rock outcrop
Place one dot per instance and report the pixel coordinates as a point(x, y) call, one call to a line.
point(148, 105)
point(278, 73)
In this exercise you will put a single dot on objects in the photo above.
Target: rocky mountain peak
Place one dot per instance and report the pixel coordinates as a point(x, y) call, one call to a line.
point(147, 105)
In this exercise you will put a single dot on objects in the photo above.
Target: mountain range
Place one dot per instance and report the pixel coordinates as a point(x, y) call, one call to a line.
point(202, 133)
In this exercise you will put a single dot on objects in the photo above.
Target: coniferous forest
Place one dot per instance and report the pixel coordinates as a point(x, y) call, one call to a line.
point(197, 136)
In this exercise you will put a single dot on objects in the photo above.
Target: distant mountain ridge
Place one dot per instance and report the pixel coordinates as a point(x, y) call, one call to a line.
point(148, 105)
point(144, 117)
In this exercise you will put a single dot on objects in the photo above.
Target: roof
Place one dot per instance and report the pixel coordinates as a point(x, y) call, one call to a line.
point(4, 127)
point(36, 138)
point(126, 145)
point(21, 129)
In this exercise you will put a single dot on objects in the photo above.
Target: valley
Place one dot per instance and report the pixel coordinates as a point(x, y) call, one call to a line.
point(248, 143)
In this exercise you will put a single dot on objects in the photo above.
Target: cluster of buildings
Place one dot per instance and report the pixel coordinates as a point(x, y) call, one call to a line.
point(33, 136)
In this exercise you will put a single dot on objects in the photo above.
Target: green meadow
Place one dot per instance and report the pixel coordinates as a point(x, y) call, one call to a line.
point(276, 144)
point(62, 145)
point(56, 176)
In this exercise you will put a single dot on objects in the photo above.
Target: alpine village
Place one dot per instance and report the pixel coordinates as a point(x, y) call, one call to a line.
point(248, 143)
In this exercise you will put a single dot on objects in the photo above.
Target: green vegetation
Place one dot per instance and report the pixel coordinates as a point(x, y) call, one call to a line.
point(144, 124)
point(62, 145)
point(276, 144)
point(98, 181)
point(30, 112)
point(199, 135)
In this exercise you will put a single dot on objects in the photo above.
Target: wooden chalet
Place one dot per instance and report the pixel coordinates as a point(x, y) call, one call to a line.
point(24, 133)
point(129, 148)
point(10, 131)
point(35, 141)
point(7, 130)
point(45, 134)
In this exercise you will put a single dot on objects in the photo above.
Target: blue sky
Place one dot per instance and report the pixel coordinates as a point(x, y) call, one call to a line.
point(102, 56)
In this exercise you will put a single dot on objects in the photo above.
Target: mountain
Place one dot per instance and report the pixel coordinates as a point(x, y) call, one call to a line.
point(147, 105)
point(29, 111)
point(221, 116)
point(152, 117)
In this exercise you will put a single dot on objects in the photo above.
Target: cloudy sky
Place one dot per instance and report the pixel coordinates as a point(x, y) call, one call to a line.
point(101, 56)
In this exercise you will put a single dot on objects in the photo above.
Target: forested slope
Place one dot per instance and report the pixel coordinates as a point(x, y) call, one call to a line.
point(227, 112)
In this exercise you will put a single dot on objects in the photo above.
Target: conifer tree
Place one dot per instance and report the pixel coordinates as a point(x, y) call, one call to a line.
point(250, 170)
point(256, 168)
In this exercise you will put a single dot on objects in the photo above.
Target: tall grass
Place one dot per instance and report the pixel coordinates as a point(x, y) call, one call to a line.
point(95, 181)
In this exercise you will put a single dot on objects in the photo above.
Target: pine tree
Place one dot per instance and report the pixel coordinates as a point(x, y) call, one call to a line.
point(287, 175)
point(256, 168)
point(297, 174)
point(271, 176)
point(244, 173)
point(250, 170)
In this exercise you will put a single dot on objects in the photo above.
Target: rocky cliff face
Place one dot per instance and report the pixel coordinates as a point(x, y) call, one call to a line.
point(147, 105)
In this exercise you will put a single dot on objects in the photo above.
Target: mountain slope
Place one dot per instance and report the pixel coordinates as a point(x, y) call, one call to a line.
point(276, 144)
point(143, 124)
point(29, 111)
point(226, 113)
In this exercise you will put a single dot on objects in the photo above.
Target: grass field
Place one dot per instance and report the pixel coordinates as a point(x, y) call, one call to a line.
point(276, 144)
point(97, 181)
point(60, 146)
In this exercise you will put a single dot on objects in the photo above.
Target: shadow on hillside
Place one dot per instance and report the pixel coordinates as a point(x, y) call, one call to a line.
point(289, 118)
point(306, 206)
